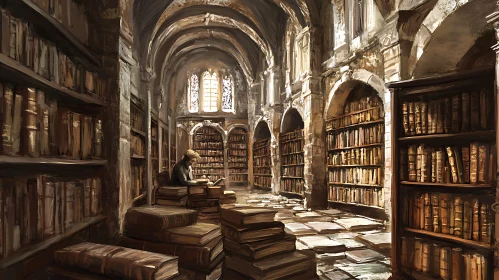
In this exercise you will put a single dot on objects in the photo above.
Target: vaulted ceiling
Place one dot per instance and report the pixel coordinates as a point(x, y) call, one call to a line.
point(169, 33)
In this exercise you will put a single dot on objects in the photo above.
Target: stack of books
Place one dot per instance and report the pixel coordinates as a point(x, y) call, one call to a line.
point(258, 248)
point(206, 201)
point(229, 197)
point(174, 231)
point(172, 196)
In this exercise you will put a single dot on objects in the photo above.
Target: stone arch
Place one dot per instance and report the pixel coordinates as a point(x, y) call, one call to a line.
point(291, 114)
point(260, 125)
point(237, 125)
point(452, 25)
point(216, 126)
point(339, 93)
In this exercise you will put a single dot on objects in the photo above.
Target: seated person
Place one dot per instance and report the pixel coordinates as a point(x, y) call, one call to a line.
point(182, 171)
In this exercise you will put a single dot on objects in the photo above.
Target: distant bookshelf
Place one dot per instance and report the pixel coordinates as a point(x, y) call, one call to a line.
point(154, 146)
point(137, 148)
point(238, 156)
point(292, 162)
point(262, 172)
point(165, 160)
point(208, 142)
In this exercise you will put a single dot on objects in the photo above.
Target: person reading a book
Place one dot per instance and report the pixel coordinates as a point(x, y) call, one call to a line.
point(182, 171)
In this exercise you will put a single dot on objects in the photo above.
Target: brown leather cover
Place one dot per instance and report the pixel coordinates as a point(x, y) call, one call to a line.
point(159, 217)
point(197, 234)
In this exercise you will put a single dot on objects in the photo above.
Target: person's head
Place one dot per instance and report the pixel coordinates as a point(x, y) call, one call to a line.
point(191, 157)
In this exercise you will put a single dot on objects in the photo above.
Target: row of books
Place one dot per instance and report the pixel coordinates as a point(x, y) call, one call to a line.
point(358, 156)
point(292, 136)
point(459, 215)
point(291, 147)
point(210, 176)
point(473, 163)
point(292, 159)
point(238, 153)
point(261, 147)
point(357, 175)
point(372, 134)
point(137, 145)
point(364, 196)
point(217, 153)
point(263, 181)
point(21, 43)
point(204, 166)
point(238, 159)
point(238, 170)
point(293, 185)
point(208, 145)
point(463, 112)
point(238, 165)
point(208, 137)
point(40, 207)
point(71, 14)
point(137, 118)
point(237, 138)
point(164, 149)
point(34, 125)
point(262, 161)
point(238, 177)
point(295, 171)
point(207, 170)
point(365, 110)
point(237, 146)
point(211, 159)
point(262, 170)
point(154, 130)
point(441, 261)
point(137, 178)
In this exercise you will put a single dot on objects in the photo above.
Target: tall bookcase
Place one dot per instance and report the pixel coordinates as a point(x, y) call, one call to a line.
point(137, 148)
point(154, 146)
point(165, 159)
point(52, 157)
point(262, 172)
point(173, 147)
point(238, 156)
point(444, 184)
point(208, 142)
point(292, 163)
point(355, 158)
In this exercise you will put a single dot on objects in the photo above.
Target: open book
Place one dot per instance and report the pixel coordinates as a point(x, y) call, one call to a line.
point(218, 181)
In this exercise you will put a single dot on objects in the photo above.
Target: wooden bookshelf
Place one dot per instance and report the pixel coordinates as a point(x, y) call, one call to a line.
point(52, 151)
point(238, 156)
point(291, 145)
point(173, 148)
point(262, 162)
point(355, 155)
point(444, 180)
point(154, 146)
point(165, 159)
point(208, 142)
point(137, 148)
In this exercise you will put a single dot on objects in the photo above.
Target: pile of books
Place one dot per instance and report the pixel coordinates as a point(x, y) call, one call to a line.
point(174, 231)
point(258, 248)
point(206, 201)
point(229, 197)
point(172, 196)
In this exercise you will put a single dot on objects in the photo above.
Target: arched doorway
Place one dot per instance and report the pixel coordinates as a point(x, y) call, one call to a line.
point(238, 156)
point(292, 154)
point(208, 142)
point(262, 172)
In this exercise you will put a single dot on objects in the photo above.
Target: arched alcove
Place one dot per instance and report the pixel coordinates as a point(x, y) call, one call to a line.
point(291, 121)
point(262, 172)
point(292, 154)
point(209, 143)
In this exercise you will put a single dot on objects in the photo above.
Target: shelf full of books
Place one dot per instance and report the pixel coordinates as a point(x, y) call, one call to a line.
point(154, 147)
point(238, 156)
point(444, 190)
point(292, 163)
point(262, 172)
point(165, 159)
point(137, 148)
point(355, 154)
point(208, 142)
point(173, 148)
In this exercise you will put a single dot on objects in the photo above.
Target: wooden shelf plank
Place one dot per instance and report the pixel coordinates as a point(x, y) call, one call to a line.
point(356, 204)
point(351, 114)
point(55, 31)
point(140, 132)
point(298, 164)
point(290, 154)
point(16, 72)
point(137, 157)
point(448, 237)
point(355, 185)
point(356, 125)
point(475, 136)
point(263, 175)
point(28, 251)
point(291, 177)
point(356, 147)
point(446, 185)
point(51, 161)
point(355, 165)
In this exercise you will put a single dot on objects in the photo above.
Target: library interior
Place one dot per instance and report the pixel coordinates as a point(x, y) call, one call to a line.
point(249, 139)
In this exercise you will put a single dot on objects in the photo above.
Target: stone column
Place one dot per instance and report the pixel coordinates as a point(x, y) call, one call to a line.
point(147, 79)
point(396, 49)
point(274, 117)
point(253, 94)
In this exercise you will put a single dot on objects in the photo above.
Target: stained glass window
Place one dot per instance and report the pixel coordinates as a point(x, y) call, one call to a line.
point(194, 93)
point(227, 94)
point(210, 91)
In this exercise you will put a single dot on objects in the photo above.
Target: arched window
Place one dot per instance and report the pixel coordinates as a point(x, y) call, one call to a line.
point(194, 93)
point(227, 94)
point(210, 92)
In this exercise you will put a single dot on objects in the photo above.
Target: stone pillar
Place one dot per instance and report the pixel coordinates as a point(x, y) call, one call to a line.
point(396, 51)
point(147, 79)
point(273, 85)
point(274, 117)
point(253, 94)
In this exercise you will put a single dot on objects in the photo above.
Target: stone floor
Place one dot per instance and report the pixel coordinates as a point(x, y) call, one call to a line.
point(342, 251)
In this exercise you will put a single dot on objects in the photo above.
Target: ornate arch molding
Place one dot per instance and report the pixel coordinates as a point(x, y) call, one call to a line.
point(285, 114)
point(262, 119)
point(342, 88)
point(440, 17)
point(237, 125)
point(208, 123)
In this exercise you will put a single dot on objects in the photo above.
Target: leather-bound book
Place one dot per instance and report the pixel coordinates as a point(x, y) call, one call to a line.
point(474, 162)
point(435, 259)
point(62, 68)
point(475, 110)
point(87, 137)
point(426, 257)
point(403, 165)
point(465, 153)
point(412, 119)
point(215, 191)
point(158, 218)
point(97, 152)
point(31, 145)
point(171, 201)
point(476, 220)
point(440, 166)
point(447, 116)
point(404, 253)
point(13, 37)
point(40, 191)
point(36, 54)
point(248, 216)
point(428, 218)
point(69, 190)
point(59, 203)
point(17, 122)
point(64, 129)
point(467, 220)
point(492, 168)
point(28, 47)
point(96, 194)
point(418, 254)
point(424, 117)
point(247, 234)
point(43, 69)
point(49, 205)
point(53, 127)
point(87, 190)
point(197, 234)
point(76, 136)
point(172, 191)
point(411, 156)
point(405, 117)
point(465, 111)
point(456, 114)
point(43, 124)
point(451, 213)
point(418, 213)
point(457, 264)
point(417, 117)
point(190, 256)
point(484, 267)
point(445, 263)
point(484, 108)
point(440, 116)
point(261, 249)
point(483, 163)
point(467, 266)
point(444, 203)
point(7, 106)
point(485, 227)
point(419, 161)
point(453, 165)
point(458, 216)
point(5, 32)
point(435, 204)
point(19, 39)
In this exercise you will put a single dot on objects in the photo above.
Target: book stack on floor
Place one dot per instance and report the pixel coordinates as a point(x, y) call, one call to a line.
point(172, 196)
point(96, 261)
point(229, 197)
point(174, 231)
point(206, 201)
point(258, 248)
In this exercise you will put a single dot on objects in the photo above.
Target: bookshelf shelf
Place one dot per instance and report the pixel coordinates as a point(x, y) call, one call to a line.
point(29, 251)
point(355, 153)
point(445, 132)
point(292, 159)
point(208, 139)
point(139, 132)
point(238, 153)
point(261, 164)
point(138, 157)
point(14, 71)
point(55, 31)
point(448, 237)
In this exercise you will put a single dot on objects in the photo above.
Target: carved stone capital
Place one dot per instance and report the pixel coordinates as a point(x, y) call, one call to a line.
point(147, 75)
